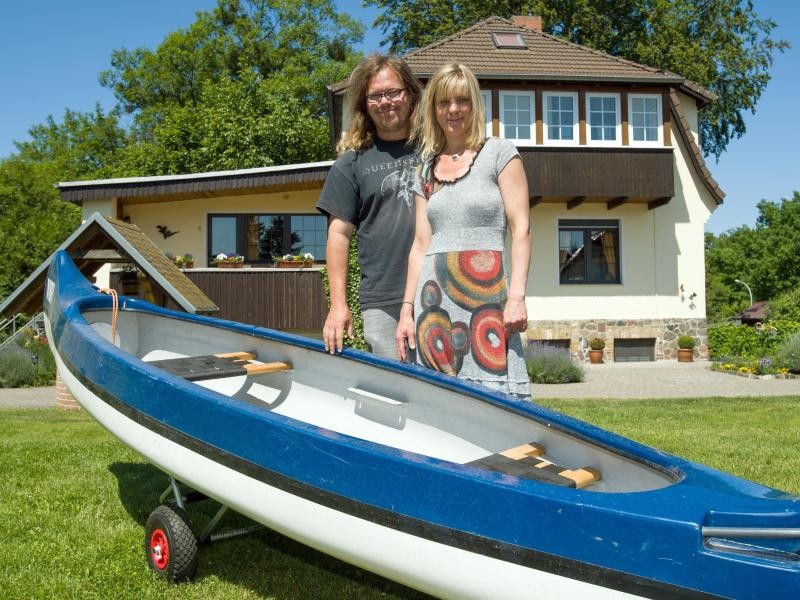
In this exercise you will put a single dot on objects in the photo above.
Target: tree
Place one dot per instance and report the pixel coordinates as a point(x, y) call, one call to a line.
point(235, 125)
point(723, 45)
point(767, 257)
point(33, 219)
point(300, 45)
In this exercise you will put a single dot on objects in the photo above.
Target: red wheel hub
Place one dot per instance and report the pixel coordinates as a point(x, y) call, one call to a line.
point(159, 549)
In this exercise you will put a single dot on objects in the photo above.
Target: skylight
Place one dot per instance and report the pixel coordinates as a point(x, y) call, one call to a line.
point(504, 39)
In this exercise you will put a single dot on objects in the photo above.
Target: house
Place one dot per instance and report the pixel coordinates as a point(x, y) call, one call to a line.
point(619, 191)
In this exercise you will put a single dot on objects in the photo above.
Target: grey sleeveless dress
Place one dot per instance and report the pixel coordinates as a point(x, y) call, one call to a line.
point(462, 287)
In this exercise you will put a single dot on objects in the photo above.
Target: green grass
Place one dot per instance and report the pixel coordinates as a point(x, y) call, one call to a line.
point(754, 438)
point(73, 505)
point(74, 501)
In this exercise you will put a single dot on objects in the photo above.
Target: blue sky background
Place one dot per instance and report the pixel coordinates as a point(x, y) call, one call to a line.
point(51, 52)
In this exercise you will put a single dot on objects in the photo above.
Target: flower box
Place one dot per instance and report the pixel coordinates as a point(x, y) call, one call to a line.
point(295, 264)
point(222, 264)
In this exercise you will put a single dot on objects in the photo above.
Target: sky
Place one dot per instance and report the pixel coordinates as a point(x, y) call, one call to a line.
point(51, 52)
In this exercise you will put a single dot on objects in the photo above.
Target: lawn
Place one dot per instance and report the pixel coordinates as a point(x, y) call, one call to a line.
point(74, 501)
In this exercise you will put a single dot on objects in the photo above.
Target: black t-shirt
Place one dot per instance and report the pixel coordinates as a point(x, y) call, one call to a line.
point(372, 189)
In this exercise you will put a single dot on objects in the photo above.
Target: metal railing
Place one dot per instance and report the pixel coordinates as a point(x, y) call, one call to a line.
point(35, 324)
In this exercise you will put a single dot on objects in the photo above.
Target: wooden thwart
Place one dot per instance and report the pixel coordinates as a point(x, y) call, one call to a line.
point(213, 366)
point(524, 461)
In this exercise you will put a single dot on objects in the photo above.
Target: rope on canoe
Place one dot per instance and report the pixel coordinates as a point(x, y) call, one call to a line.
point(114, 311)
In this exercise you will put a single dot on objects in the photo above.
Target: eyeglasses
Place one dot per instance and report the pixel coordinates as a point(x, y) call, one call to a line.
point(390, 95)
point(461, 102)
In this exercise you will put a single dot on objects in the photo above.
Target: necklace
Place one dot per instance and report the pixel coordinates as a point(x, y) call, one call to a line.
point(456, 155)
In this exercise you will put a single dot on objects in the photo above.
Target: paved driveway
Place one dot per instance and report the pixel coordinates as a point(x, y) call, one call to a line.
point(664, 379)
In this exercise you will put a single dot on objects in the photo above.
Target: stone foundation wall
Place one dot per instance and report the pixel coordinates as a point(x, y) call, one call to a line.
point(665, 332)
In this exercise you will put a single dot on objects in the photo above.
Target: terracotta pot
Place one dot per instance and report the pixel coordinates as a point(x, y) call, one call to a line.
point(295, 264)
point(596, 357)
point(685, 354)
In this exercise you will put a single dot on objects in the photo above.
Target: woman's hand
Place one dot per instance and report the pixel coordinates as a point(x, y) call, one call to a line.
point(515, 315)
point(405, 332)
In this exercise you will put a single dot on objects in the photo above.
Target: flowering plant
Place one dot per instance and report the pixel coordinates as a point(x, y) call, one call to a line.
point(182, 260)
point(305, 256)
point(228, 258)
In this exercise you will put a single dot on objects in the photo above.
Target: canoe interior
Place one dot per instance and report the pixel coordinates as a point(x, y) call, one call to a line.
point(367, 402)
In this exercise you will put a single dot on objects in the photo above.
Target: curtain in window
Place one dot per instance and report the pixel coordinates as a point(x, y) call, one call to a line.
point(609, 253)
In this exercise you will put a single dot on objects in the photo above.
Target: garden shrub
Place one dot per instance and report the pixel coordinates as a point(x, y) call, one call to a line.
point(749, 342)
point(788, 353)
point(786, 306)
point(547, 364)
point(16, 369)
point(353, 286)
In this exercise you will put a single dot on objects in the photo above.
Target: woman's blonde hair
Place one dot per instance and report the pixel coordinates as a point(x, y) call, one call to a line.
point(360, 132)
point(451, 81)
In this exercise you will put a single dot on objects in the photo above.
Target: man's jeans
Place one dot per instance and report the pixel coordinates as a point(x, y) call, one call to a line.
point(380, 326)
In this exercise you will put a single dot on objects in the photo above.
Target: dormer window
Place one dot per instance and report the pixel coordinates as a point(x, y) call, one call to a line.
point(508, 40)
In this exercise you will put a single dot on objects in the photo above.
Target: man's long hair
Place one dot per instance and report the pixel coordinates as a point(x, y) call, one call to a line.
point(360, 132)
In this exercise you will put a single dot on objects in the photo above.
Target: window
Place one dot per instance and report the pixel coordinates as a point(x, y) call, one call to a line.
point(504, 39)
point(517, 116)
point(588, 251)
point(560, 117)
point(645, 119)
point(260, 237)
point(603, 118)
point(486, 98)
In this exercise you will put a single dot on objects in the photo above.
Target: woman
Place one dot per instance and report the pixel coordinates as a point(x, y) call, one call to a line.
point(469, 190)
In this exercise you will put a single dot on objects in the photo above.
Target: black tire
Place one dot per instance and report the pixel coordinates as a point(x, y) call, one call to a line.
point(170, 544)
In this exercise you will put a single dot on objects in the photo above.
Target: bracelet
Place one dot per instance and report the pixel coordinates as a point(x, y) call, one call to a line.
point(407, 302)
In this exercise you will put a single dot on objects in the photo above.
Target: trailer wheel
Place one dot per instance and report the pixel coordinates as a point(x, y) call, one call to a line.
point(170, 545)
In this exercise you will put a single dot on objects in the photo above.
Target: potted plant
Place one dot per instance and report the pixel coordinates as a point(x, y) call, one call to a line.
point(295, 261)
point(596, 346)
point(686, 345)
point(229, 261)
point(182, 261)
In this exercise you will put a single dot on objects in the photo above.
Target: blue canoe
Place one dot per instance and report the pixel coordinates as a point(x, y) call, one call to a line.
point(443, 486)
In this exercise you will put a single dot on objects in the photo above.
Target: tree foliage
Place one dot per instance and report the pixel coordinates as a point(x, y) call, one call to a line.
point(298, 45)
point(765, 257)
point(236, 125)
point(33, 219)
point(723, 45)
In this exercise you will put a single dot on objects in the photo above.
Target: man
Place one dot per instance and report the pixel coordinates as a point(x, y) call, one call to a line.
point(369, 188)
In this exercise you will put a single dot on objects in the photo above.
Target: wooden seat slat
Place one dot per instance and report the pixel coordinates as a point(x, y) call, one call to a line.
point(526, 461)
point(216, 366)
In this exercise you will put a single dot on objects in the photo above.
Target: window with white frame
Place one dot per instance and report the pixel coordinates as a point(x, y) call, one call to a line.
point(645, 119)
point(486, 98)
point(560, 113)
point(517, 116)
point(603, 119)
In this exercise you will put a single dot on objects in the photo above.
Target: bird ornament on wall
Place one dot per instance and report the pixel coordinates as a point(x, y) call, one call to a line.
point(165, 231)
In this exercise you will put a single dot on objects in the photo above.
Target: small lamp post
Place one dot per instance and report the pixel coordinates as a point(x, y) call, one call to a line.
point(749, 291)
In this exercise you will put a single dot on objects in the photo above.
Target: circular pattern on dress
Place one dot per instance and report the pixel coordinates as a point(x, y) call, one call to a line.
point(471, 278)
point(431, 294)
point(460, 335)
point(488, 341)
point(435, 342)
